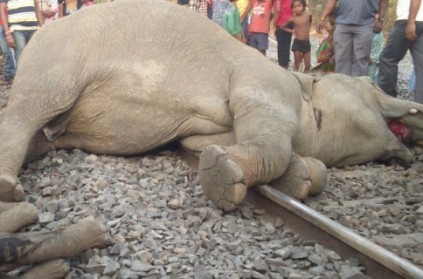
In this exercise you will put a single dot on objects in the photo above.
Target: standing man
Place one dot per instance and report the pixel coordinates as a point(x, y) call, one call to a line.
point(21, 18)
point(407, 34)
point(355, 23)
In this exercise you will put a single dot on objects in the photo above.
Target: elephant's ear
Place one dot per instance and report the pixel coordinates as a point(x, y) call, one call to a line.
point(306, 82)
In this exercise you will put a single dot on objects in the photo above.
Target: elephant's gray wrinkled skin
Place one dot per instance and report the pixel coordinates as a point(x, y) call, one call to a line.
point(126, 77)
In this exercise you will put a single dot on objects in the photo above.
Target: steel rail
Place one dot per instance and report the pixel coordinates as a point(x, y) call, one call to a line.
point(311, 225)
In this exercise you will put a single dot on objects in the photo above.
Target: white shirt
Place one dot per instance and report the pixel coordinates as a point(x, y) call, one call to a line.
point(403, 8)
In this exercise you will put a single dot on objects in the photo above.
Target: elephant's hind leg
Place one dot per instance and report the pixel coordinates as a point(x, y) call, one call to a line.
point(303, 177)
point(54, 269)
point(14, 216)
point(221, 178)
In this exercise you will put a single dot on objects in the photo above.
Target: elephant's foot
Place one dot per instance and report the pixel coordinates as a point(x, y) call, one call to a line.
point(221, 178)
point(55, 269)
point(14, 216)
point(303, 177)
point(10, 190)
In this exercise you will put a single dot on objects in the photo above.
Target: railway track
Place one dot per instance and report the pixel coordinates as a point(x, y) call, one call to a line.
point(311, 225)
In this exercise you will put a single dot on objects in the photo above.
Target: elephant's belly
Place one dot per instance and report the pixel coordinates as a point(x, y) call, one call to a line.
point(133, 132)
point(124, 117)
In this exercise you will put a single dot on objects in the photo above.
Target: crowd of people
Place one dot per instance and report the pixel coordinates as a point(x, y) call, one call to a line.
point(353, 44)
point(20, 19)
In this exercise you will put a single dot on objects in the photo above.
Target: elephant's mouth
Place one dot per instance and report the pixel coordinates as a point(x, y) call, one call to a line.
point(400, 130)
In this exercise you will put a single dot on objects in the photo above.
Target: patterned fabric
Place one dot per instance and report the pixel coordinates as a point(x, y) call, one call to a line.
point(52, 5)
point(199, 6)
point(377, 47)
point(219, 9)
point(325, 50)
point(21, 14)
point(412, 82)
point(325, 54)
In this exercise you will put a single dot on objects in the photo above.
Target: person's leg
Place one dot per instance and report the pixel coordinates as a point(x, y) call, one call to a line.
point(262, 42)
point(297, 60)
point(342, 44)
point(20, 41)
point(209, 11)
point(252, 40)
point(3, 42)
point(29, 34)
point(417, 53)
point(307, 61)
point(244, 24)
point(362, 46)
point(9, 65)
point(284, 45)
point(9, 61)
point(395, 49)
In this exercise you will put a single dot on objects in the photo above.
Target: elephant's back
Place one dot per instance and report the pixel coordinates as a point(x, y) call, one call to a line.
point(106, 39)
point(138, 29)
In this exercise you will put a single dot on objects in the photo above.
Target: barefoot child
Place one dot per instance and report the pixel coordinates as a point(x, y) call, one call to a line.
point(301, 22)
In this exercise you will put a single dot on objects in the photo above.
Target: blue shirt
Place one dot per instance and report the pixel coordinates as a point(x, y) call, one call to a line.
point(357, 12)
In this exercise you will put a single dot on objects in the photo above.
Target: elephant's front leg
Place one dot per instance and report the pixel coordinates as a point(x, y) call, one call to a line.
point(304, 176)
point(13, 143)
point(262, 153)
point(14, 216)
point(10, 188)
point(30, 107)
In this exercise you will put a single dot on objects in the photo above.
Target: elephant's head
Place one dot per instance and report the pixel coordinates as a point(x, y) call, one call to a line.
point(411, 130)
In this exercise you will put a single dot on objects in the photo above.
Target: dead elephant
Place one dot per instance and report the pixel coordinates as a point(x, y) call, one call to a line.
point(136, 79)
